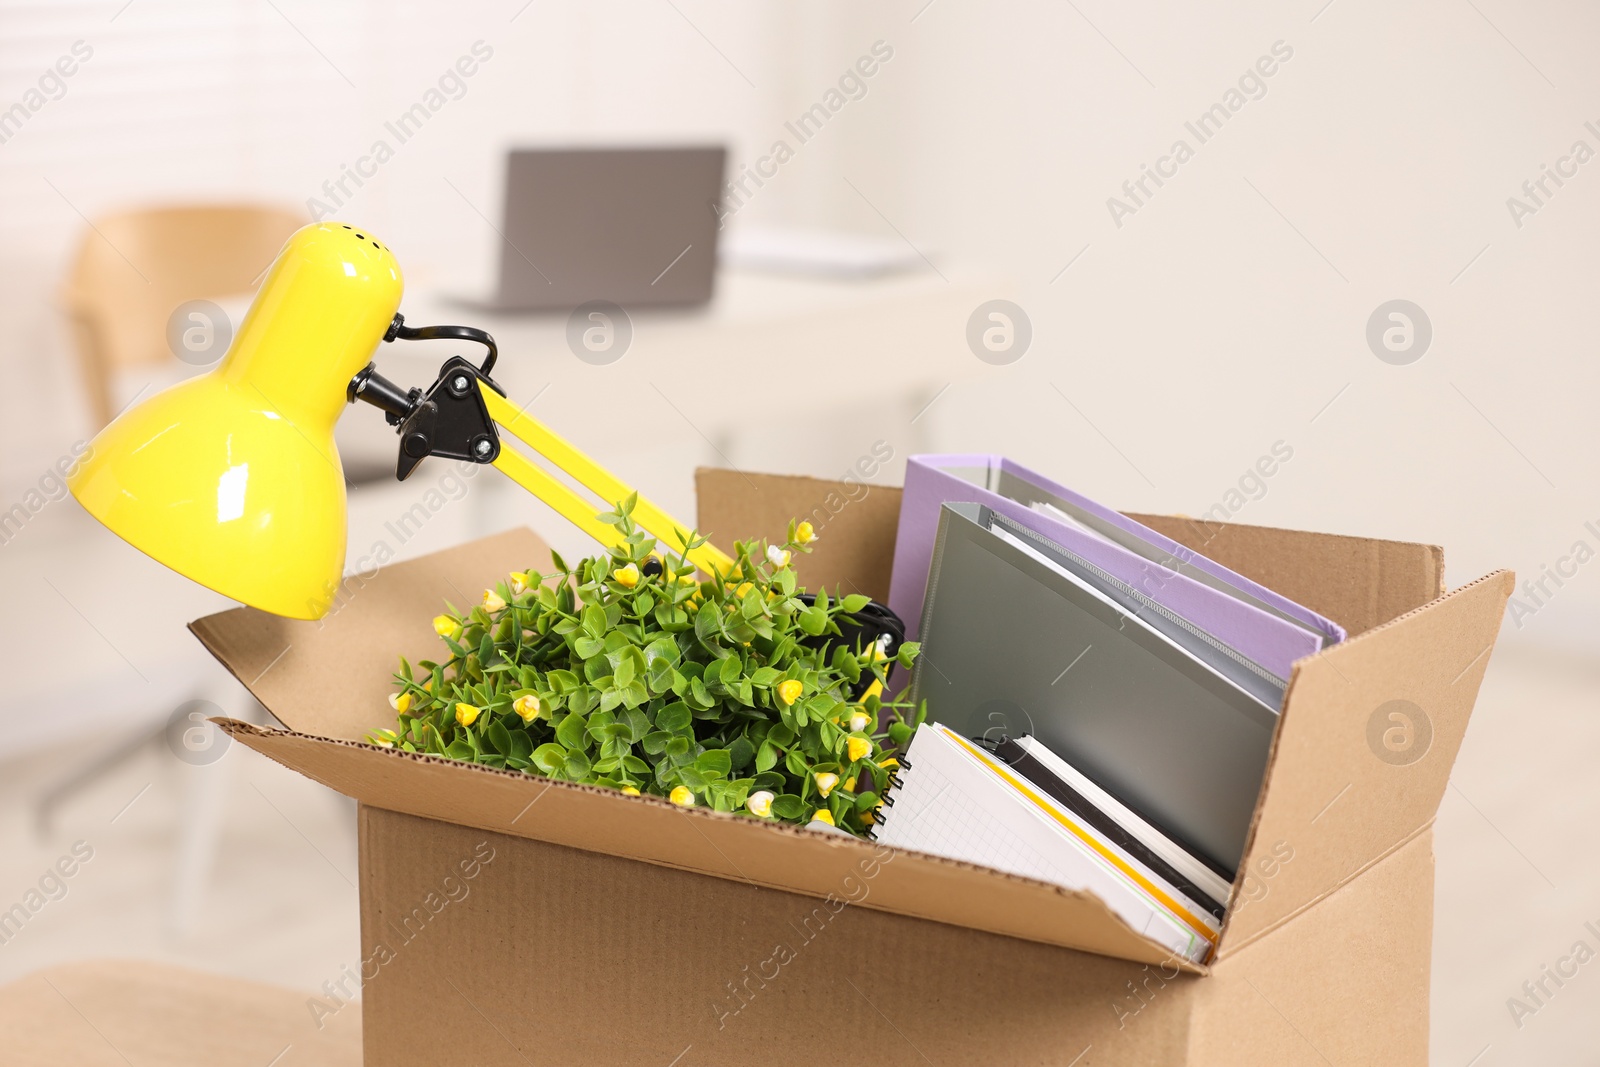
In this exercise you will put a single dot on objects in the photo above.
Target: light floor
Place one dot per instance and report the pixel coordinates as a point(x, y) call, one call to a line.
point(1517, 876)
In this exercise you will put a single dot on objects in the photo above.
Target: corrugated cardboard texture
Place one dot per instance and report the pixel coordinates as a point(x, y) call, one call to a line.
point(728, 973)
point(721, 845)
point(1357, 582)
point(332, 677)
point(1338, 867)
point(113, 1013)
point(1345, 983)
point(855, 523)
point(1335, 795)
point(562, 957)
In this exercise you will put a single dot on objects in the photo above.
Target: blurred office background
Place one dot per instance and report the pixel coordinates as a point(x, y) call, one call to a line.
point(1206, 320)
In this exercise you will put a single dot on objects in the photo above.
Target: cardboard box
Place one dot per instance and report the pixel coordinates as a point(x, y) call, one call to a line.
point(507, 919)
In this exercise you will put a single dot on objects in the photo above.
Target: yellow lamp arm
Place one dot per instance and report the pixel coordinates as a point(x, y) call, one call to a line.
point(579, 511)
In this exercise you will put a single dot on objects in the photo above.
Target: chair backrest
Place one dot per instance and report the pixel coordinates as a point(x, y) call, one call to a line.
point(133, 269)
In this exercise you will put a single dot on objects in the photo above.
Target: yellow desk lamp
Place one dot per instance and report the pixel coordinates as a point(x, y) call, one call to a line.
point(233, 479)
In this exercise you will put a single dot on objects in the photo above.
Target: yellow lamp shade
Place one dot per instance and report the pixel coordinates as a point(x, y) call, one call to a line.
point(232, 478)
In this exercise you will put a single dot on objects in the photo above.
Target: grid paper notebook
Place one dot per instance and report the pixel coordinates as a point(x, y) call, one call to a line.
point(953, 802)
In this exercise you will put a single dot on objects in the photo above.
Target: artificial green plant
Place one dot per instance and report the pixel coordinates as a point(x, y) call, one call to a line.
point(628, 671)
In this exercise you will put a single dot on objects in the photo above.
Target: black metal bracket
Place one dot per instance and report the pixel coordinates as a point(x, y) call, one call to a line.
point(449, 419)
point(874, 624)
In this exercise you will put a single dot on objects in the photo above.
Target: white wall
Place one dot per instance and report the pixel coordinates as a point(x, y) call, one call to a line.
point(1220, 318)
point(1205, 328)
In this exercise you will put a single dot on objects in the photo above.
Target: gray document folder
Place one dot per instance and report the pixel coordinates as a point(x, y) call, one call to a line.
point(1020, 637)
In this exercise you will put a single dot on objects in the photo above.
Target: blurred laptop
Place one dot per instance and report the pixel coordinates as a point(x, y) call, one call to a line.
point(634, 226)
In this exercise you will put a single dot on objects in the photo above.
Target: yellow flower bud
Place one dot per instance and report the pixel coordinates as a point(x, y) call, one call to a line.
point(859, 721)
point(630, 791)
point(857, 748)
point(804, 534)
point(744, 587)
point(789, 690)
point(869, 817)
point(526, 706)
point(493, 601)
point(760, 803)
point(778, 557)
point(519, 583)
point(445, 626)
point(873, 690)
point(889, 764)
point(682, 796)
point(384, 738)
point(627, 576)
point(826, 782)
point(823, 815)
point(467, 714)
point(850, 784)
point(400, 702)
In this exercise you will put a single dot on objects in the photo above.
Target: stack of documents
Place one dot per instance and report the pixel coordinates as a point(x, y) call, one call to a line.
point(955, 799)
point(1022, 637)
point(1262, 625)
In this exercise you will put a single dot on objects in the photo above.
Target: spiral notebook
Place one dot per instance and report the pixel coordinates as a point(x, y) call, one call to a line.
point(954, 799)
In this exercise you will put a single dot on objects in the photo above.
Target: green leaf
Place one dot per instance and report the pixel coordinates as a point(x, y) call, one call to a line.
point(729, 672)
point(587, 647)
point(662, 648)
point(740, 753)
point(788, 806)
point(715, 762)
point(675, 717)
point(521, 745)
point(638, 724)
point(899, 734)
point(766, 756)
point(814, 621)
point(855, 602)
point(765, 676)
point(594, 621)
point(571, 731)
point(499, 738)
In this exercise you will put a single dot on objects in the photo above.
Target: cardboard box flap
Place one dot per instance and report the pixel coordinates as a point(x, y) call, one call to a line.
point(771, 855)
point(332, 677)
point(855, 524)
point(1369, 732)
point(1358, 582)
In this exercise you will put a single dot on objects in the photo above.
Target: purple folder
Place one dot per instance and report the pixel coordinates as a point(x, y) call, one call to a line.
point(1265, 627)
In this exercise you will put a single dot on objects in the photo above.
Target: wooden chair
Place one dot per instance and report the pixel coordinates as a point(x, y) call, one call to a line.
point(133, 269)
